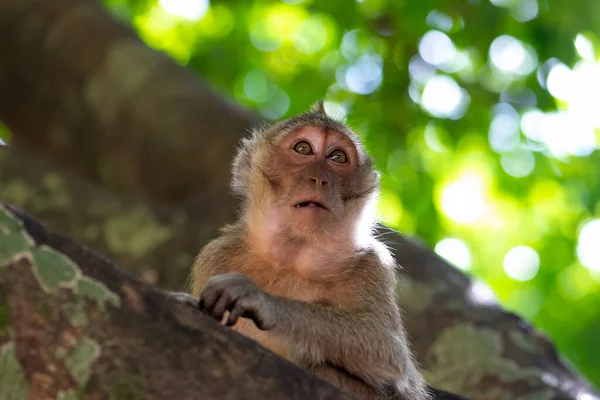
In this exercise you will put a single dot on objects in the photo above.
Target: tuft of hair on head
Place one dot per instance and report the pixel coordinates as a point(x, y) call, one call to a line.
point(319, 108)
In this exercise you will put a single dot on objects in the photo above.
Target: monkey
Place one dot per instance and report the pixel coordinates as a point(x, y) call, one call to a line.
point(301, 271)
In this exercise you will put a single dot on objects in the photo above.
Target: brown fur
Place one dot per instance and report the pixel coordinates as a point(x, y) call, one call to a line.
point(330, 285)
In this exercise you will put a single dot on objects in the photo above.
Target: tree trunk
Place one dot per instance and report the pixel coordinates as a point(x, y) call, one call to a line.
point(147, 148)
point(84, 91)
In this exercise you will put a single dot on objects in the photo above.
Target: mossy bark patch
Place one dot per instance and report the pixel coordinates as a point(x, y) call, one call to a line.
point(80, 358)
point(14, 240)
point(13, 385)
point(98, 292)
point(9, 222)
point(481, 352)
point(54, 270)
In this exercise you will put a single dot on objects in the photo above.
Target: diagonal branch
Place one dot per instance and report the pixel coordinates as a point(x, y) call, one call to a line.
point(156, 242)
point(72, 322)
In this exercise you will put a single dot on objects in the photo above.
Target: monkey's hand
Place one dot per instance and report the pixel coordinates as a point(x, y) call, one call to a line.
point(240, 296)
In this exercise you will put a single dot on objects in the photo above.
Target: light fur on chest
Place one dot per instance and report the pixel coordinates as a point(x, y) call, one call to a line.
point(284, 283)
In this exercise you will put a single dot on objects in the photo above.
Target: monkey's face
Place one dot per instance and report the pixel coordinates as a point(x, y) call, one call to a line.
point(319, 181)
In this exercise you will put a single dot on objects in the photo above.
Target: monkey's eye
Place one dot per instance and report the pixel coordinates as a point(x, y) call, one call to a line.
point(303, 148)
point(338, 156)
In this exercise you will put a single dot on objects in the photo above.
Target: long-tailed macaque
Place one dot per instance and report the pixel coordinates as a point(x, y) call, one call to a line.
point(301, 271)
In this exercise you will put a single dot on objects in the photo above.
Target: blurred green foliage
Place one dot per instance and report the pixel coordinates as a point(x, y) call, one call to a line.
point(5, 133)
point(484, 117)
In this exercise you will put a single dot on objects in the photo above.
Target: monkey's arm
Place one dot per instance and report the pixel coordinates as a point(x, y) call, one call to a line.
point(365, 343)
point(368, 342)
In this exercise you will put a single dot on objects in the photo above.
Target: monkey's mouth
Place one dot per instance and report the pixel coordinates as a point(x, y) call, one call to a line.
point(310, 204)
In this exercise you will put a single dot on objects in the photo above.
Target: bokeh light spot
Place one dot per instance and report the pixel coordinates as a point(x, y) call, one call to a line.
point(463, 199)
point(277, 104)
point(560, 132)
point(255, 86)
point(262, 39)
point(504, 128)
point(437, 48)
point(583, 104)
point(279, 24)
point(310, 36)
point(420, 71)
point(454, 251)
point(510, 55)
point(192, 10)
point(525, 10)
point(443, 98)
point(480, 293)
point(585, 48)
point(574, 282)
point(521, 263)
point(432, 138)
point(362, 77)
point(518, 163)
point(439, 20)
point(560, 82)
point(588, 245)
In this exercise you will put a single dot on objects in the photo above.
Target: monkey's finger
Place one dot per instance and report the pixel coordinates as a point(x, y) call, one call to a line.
point(235, 313)
point(209, 298)
point(222, 304)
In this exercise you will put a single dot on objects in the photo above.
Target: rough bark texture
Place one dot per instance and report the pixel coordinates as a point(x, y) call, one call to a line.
point(147, 149)
point(155, 242)
point(82, 327)
point(84, 91)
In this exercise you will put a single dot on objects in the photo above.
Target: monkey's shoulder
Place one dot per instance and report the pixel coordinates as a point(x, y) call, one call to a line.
point(374, 271)
point(220, 252)
point(375, 256)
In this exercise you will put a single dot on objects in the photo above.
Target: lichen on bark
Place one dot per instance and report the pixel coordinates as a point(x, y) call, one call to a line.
point(13, 385)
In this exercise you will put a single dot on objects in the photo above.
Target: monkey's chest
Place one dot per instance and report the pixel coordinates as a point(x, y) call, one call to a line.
point(292, 286)
point(288, 285)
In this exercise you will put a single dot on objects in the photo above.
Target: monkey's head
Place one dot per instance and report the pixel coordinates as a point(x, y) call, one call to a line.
point(307, 175)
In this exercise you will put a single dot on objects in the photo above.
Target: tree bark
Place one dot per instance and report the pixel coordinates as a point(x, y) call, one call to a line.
point(155, 242)
point(84, 91)
point(74, 324)
point(148, 148)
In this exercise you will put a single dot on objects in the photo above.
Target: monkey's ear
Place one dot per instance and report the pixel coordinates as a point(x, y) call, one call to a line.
point(319, 108)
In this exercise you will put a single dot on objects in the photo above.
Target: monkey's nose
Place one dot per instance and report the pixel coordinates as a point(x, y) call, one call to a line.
point(319, 182)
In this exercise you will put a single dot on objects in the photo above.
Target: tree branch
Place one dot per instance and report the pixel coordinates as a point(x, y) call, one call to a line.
point(86, 92)
point(73, 322)
point(156, 242)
